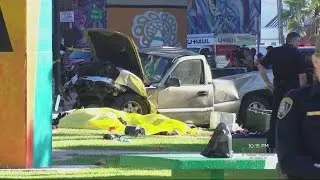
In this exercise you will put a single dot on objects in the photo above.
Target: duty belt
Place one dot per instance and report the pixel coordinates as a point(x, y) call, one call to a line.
point(286, 84)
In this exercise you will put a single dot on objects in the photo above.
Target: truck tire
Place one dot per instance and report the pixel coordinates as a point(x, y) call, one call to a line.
point(131, 103)
point(252, 101)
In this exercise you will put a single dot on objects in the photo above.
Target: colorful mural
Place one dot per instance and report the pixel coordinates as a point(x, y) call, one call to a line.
point(223, 16)
point(88, 14)
point(155, 28)
point(150, 26)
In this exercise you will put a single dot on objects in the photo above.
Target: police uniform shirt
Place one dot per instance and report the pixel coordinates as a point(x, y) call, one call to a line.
point(298, 133)
point(287, 63)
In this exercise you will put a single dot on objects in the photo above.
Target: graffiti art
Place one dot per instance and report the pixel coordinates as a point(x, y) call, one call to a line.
point(155, 28)
point(88, 14)
point(223, 16)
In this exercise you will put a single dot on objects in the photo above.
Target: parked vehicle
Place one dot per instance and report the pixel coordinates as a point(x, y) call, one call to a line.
point(79, 56)
point(71, 59)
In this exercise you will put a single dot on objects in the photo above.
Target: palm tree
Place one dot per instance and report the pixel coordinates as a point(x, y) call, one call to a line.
point(303, 17)
point(315, 6)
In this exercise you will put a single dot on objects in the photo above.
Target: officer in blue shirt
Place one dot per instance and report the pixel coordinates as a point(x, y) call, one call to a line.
point(289, 72)
point(298, 130)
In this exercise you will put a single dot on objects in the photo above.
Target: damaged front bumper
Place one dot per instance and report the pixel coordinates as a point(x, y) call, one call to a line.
point(99, 84)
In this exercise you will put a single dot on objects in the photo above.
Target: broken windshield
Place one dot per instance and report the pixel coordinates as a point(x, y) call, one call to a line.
point(155, 67)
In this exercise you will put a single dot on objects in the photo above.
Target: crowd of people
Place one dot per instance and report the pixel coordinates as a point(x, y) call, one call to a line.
point(246, 57)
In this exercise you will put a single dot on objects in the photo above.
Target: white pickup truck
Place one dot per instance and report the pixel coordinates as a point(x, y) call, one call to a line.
point(167, 80)
point(172, 81)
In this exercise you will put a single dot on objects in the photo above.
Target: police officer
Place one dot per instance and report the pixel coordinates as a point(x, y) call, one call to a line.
point(298, 130)
point(289, 73)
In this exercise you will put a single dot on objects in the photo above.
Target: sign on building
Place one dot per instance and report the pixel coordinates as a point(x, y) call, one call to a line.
point(236, 39)
point(200, 40)
point(67, 16)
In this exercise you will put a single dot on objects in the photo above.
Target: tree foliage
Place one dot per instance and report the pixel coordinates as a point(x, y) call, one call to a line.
point(303, 17)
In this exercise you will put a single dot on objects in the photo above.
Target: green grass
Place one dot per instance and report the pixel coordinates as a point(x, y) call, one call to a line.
point(88, 139)
point(94, 173)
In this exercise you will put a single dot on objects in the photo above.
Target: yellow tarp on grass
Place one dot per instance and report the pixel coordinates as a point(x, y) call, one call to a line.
point(108, 119)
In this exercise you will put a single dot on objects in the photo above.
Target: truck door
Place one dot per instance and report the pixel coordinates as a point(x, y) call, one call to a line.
point(192, 98)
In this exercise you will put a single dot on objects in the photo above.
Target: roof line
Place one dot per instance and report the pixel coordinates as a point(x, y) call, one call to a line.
point(273, 20)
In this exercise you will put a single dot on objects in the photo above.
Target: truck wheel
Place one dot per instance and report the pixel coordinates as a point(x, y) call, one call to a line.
point(255, 102)
point(131, 103)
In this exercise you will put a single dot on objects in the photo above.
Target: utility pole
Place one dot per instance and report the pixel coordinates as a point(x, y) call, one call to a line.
point(280, 22)
point(56, 46)
point(258, 26)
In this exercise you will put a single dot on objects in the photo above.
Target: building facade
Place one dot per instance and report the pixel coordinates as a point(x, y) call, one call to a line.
point(148, 22)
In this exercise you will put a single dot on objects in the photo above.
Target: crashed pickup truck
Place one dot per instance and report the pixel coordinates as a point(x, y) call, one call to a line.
point(172, 81)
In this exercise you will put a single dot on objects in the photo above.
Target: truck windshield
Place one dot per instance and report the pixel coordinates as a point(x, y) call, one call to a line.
point(155, 67)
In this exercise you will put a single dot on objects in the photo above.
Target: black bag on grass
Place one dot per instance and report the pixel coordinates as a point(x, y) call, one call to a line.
point(134, 131)
point(220, 144)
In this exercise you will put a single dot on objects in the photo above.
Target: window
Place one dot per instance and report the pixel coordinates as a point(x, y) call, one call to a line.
point(155, 67)
point(189, 72)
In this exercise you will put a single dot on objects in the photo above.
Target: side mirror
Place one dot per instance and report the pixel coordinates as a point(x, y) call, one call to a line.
point(174, 82)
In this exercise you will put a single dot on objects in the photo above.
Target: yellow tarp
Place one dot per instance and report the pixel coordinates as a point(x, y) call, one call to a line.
point(108, 119)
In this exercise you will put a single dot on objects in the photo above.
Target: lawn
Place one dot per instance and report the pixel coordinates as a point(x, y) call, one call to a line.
point(93, 140)
point(89, 139)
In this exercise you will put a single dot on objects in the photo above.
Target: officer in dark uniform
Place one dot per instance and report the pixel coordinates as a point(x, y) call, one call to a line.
point(289, 73)
point(298, 130)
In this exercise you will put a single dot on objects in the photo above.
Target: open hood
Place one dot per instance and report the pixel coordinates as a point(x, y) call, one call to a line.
point(116, 48)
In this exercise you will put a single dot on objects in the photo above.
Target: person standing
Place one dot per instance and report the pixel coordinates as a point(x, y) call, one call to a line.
point(246, 59)
point(259, 58)
point(289, 73)
point(269, 48)
point(253, 52)
point(298, 129)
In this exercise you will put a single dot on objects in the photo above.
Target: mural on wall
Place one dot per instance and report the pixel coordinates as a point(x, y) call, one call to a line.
point(223, 16)
point(88, 14)
point(155, 28)
point(228, 17)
